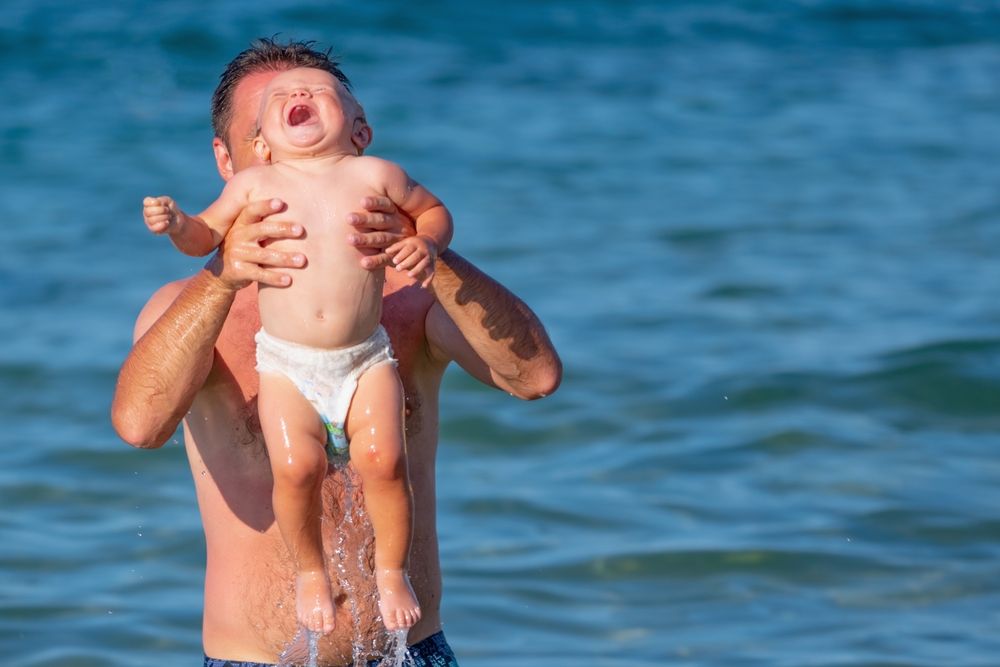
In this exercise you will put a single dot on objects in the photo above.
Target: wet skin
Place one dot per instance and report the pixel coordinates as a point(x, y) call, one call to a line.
point(194, 359)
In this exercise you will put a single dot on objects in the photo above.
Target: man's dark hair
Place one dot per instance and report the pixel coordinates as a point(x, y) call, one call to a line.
point(265, 55)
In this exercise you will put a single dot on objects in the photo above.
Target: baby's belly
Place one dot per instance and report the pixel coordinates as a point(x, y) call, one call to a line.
point(331, 303)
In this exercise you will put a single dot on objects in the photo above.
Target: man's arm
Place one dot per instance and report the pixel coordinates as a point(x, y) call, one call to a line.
point(176, 332)
point(476, 321)
point(175, 338)
point(490, 332)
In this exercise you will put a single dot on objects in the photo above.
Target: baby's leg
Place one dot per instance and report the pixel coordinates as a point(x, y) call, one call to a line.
point(295, 444)
point(375, 430)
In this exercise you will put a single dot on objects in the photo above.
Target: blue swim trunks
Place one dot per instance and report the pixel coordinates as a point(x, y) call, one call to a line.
point(215, 662)
point(431, 652)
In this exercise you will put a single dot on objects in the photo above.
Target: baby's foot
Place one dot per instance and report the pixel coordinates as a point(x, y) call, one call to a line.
point(314, 601)
point(396, 600)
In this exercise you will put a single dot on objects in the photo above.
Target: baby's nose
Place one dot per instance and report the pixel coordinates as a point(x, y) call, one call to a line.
point(300, 92)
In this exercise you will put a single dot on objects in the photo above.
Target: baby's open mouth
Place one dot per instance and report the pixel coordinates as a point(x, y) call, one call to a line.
point(299, 114)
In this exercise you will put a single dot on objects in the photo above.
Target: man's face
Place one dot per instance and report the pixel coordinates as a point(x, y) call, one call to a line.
point(246, 103)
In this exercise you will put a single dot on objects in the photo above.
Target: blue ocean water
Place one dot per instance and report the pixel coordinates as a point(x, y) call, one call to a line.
point(760, 233)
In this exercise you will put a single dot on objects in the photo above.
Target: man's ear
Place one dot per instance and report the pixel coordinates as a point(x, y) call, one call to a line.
point(261, 149)
point(361, 135)
point(223, 162)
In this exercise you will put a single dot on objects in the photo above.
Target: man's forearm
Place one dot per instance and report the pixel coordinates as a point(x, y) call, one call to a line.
point(169, 363)
point(502, 330)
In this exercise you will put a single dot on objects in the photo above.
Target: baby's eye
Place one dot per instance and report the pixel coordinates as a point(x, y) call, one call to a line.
point(320, 89)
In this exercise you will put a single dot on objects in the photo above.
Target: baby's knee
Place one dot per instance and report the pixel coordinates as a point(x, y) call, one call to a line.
point(300, 470)
point(382, 461)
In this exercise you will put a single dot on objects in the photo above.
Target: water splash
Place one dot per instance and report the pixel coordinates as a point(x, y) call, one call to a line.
point(302, 650)
point(313, 648)
point(349, 568)
point(355, 517)
point(396, 654)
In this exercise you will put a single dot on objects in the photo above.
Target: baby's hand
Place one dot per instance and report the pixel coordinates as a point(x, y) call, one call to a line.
point(161, 214)
point(416, 256)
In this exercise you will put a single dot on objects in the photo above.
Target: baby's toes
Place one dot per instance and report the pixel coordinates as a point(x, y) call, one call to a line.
point(329, 622)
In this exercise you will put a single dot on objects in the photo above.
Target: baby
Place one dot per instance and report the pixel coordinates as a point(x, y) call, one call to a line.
point(321, 349)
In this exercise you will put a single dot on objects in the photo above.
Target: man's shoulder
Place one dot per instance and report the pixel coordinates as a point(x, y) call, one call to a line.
point(164, 296)
point(158, 304)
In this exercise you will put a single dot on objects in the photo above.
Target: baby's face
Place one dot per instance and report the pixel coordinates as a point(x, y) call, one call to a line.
point(307, 111)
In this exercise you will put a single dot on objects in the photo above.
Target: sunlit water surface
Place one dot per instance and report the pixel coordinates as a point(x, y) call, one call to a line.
point(761, 234)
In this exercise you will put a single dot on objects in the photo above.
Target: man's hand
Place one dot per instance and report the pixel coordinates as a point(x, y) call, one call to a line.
point(243, 257)
point(377, 226)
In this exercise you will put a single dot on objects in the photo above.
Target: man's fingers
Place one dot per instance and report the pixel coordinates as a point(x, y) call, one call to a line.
point(372, 221)
point(264, 276)
point(260, 209)
point(255, 254)
point(374, 239)
point(379, 261)
point(378, 204)
point(255, 232)
point(274, 230)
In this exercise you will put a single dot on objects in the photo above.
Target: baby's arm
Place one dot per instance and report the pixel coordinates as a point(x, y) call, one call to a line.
point(416, 254)
point(200, 234)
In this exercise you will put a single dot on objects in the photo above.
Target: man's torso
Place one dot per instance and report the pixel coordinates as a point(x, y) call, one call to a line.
point(249, 597)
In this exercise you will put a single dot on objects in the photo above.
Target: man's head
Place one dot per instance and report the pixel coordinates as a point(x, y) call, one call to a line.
point(236, 101)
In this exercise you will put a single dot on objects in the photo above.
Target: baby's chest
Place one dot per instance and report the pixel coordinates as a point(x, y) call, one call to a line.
point(320, 205)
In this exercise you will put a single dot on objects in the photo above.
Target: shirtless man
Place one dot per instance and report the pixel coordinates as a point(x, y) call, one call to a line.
point(321, 352)
point(193, 360)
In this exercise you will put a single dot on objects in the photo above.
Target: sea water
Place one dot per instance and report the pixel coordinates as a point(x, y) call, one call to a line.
point(761, 234)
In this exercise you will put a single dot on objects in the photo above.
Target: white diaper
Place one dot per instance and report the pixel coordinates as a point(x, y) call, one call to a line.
point(326, 378)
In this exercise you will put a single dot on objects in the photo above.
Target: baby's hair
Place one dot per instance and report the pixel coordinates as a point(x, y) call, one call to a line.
point(266, 55)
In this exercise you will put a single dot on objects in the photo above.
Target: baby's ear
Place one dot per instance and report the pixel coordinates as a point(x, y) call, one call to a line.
point(361, 135)
point(261, 149)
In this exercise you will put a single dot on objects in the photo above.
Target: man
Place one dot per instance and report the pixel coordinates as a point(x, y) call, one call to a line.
point(193, 359)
